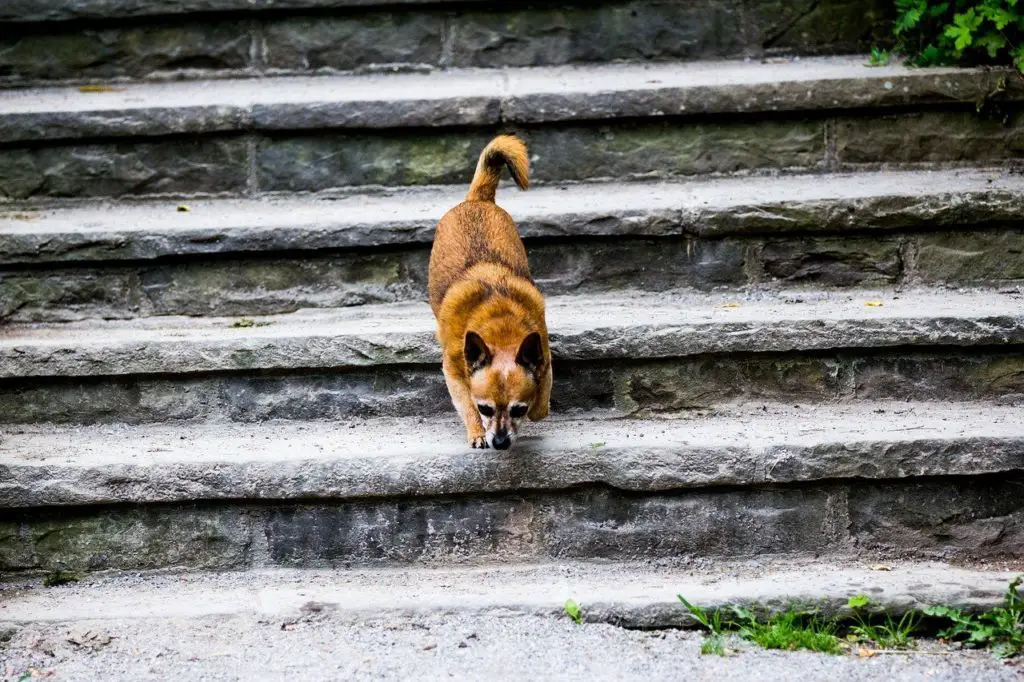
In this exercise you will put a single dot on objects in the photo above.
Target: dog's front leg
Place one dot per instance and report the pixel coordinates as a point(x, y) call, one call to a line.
point(463, 401)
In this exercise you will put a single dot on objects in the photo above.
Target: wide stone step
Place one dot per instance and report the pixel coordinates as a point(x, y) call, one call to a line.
point(595, 122)
point(908, 478)
point(626, 594)
point(629, 353)
point(276, 255)
point(132, 39)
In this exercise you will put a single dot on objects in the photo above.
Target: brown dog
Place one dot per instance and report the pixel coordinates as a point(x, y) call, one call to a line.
point(490, 315)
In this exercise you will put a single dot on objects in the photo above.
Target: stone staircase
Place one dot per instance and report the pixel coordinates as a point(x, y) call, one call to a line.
point(785, 289)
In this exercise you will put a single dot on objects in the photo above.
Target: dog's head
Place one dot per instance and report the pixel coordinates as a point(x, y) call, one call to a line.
point(504, 383)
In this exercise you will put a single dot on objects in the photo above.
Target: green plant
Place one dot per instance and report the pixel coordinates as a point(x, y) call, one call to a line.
point(572, 609)
point(947, 32)
point(714, 643)
point(56, 578)
point(789, 631)
point(1000, 630)
point(879, 57)
point(712, 621)
point(889, 634)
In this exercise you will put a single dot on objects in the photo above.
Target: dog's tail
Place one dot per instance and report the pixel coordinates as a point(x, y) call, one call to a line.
point(504, 150)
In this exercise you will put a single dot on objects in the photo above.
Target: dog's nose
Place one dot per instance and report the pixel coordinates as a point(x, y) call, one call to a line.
point(501, 441)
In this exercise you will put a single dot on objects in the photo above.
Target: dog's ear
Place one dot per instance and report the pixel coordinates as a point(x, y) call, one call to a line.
point(531, 353)
point(478, 355)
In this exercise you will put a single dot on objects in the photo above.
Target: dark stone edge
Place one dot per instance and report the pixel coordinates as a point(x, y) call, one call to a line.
point(870, 92)
point(634, 469)
point(231, 353)
point(33, 11)
point(956, 210)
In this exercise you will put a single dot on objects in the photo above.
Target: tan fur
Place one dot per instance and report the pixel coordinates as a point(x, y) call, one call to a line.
point(479, 284)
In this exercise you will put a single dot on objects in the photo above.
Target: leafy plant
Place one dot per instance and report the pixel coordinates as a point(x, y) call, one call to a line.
point(948, 32)
point(56, 578)
point(789, 631)
point(1000, 630)
point(572, 609)
point(714, 643)
point(879, 57)
point(712, 622)
point(889, 634)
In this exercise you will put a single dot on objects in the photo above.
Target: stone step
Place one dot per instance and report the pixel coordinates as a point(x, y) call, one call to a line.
point(582, 123)
point(276, 255)
point(132, 39)
point(627, 352)
point(489, 97)
point(914, 479)
point(626, 594)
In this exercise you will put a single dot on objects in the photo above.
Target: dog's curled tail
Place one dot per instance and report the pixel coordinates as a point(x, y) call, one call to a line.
point(504, 150)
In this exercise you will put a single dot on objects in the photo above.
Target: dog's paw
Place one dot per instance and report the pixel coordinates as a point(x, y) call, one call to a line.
point(478, 442)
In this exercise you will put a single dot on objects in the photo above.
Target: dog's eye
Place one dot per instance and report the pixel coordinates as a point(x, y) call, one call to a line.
point(486, 410)
point(518, 411)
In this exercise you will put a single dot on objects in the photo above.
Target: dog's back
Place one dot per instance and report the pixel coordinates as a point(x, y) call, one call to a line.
point(477, 240)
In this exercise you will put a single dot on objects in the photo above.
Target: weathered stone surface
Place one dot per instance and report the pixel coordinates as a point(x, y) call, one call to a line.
point(732, 87)
point(488, 97)
point(338, 160)
point(639, 594)
point(605, 524)
point(705, 382)
point(605, 32)
point(930, 376)
point(125, 538)
point(494, 36)
point(929, 137)
point(566, 153)
point(99, 170)
point(62, 10)
point(74, 53)
point(833, 203)
point(348, 42)
point(670, 148)
point(414, 391)
point(583, 327)
point(432, 530)
point(385, 458)
point(988, 256)
point(68, 294)
point(282, 285)
point(978, 518)
point(974, 517)
point(825, 27)
point(839, 261)
point(639, 388)
point(591, 523)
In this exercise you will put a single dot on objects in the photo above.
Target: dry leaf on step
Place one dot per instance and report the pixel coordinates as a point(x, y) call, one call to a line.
point(98, 88)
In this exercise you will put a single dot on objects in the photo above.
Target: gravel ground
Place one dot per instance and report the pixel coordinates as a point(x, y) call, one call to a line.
point(318, 647)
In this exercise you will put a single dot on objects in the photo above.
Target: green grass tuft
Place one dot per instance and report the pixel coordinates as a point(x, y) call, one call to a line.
point(572, 609)
point(56, 578)
point(789, 631)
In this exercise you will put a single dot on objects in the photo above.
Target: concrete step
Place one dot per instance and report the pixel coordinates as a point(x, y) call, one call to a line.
point(626, 352)
point(627, 594)
point(133, 39)
point(915, 479)
point(276, 255)
point(582, 123)
point(488, 97)
point(495, 623)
